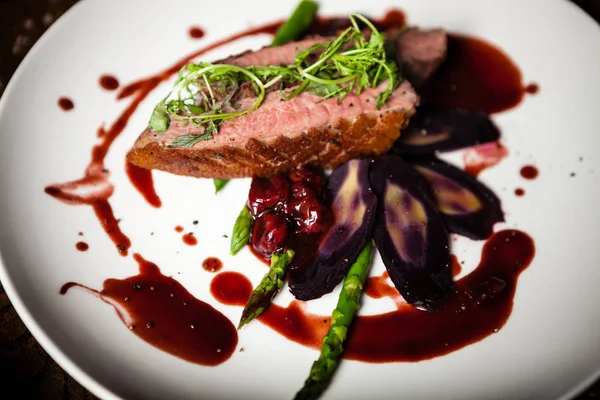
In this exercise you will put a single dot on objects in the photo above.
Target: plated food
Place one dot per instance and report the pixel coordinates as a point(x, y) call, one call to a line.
point(344, 97)
point(384, 330)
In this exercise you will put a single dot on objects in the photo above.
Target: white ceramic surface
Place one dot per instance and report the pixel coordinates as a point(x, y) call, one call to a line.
point(549, 349)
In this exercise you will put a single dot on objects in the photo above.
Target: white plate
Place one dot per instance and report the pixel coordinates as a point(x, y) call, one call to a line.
point(549, 348)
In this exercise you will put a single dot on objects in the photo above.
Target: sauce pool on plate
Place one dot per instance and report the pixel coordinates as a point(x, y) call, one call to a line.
point(163, 313)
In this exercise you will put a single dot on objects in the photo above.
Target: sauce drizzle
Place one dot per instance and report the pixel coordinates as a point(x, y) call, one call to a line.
point(141, 178)
point(481, 306)
point(82, 246)
point(163, 313)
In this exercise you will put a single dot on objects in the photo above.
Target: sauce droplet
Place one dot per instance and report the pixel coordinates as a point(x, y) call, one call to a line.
point(82, 246)
point(196, 32)
point(532, 88)
point(65, 104)
point(212, 264)
point(189, 239)
point(529, 172)
point(109, 82)
point(231, 288)
point(179, 228)
point(519, 192)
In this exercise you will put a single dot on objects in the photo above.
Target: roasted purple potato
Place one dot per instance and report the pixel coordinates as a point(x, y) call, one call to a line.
point(467, 206)
point(410, 234)
point(437, 128)
point(353, 206)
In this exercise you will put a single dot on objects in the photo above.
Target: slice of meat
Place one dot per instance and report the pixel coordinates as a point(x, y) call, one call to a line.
point(280, 134)
point(421, 52)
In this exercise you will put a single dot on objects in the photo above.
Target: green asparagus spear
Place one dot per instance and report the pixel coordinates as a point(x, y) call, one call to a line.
point(301, 18)
point(241, 231)
point(261, 296)
point(219, 184)
point(333, 343)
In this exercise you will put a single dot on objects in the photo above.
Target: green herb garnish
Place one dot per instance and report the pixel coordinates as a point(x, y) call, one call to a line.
point(190, 140)
point(204, 94)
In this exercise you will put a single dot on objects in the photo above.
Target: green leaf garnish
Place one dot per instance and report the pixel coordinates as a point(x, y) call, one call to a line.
point(204, 94)
point(159, 121)
point(190, 140)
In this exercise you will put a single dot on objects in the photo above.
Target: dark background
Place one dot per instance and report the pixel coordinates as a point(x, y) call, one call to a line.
point(26, 371)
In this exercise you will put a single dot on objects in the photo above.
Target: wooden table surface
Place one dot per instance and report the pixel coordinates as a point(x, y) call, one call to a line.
point(25, 368)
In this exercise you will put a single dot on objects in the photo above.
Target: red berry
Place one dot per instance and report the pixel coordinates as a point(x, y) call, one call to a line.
point(300, 190)
point(310, 215)
point(266, 193)
point(269, 232)
point(307, 175)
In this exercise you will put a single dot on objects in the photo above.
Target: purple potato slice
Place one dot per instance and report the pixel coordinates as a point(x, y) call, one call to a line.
point(410, 234)
point(467, 206)
point(437, 128)
point(353, 207)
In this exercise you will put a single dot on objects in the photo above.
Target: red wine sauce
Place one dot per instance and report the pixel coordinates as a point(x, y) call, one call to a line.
point(82, 246)
point(476, 76)
point(532, 88)
point(529, 172)
point(109, 82)
point(65, 104)
point(378, 287)
point(141, 178)
point(212, 264)
point(162, 312)
point(482, 304)
point(231, 288)
point(196, 32)
point(189, 239)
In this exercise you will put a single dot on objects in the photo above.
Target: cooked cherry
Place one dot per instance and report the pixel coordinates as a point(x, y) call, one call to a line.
point(266, 193)
point(269, 232)
point(308, 175)
point(301, 189)
point(310, 215)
